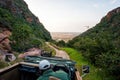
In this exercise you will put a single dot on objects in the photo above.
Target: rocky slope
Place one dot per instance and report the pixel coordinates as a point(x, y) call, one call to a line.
point(20, 29)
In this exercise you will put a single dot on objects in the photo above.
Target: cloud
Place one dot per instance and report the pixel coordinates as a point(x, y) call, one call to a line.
point(113, 1)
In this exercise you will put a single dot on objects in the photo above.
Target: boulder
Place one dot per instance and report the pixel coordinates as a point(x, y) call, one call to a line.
point(31, 52)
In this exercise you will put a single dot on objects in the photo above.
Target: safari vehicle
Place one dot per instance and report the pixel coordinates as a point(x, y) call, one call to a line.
point(28, 70)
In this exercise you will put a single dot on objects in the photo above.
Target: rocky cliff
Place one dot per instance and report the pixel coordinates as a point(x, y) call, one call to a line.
point(20, 29)
point(112, 13)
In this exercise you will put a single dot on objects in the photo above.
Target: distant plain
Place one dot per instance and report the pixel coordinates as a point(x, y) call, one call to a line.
point(66, 36)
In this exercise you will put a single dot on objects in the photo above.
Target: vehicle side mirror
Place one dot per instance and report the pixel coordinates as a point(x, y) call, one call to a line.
point(85, 69)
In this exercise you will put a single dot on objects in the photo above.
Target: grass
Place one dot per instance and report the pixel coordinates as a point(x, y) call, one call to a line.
point(95, 73)
point(3, 64)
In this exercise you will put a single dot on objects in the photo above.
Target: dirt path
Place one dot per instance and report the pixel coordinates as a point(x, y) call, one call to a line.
point(59, 53)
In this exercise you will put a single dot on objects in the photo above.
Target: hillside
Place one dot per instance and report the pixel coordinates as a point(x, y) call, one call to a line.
point(20, 29)
point(101, 44)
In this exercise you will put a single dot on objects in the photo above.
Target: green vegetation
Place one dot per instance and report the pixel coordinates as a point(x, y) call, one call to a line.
point(60, 43)
point(26, 29)
point(95, 73)
point(3, 64)
point(101, 45)
point(49, 49)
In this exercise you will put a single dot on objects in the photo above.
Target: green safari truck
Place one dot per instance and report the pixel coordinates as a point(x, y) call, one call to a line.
point(28, 70)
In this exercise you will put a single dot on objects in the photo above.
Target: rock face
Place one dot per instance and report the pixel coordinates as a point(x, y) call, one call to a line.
point(112, 13)
point(20, 27)
point(4, 39)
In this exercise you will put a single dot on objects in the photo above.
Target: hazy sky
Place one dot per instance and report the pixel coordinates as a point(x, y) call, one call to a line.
point(70, 15)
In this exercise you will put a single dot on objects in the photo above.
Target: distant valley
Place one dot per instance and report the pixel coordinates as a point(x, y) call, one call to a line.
point(66, 36)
